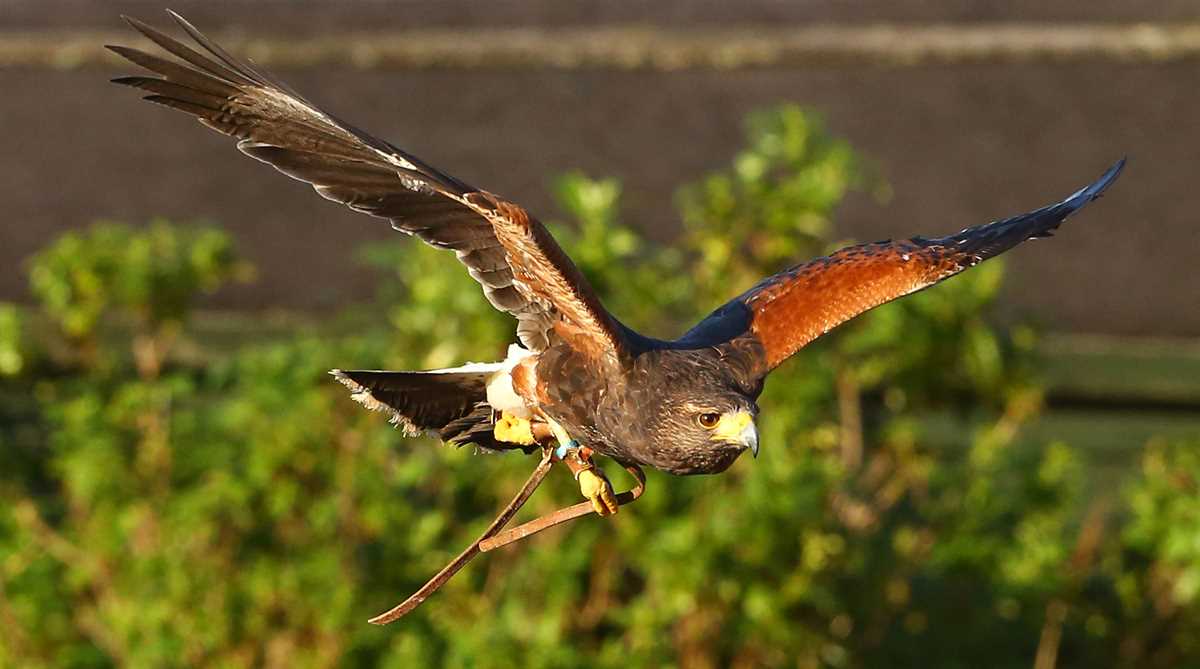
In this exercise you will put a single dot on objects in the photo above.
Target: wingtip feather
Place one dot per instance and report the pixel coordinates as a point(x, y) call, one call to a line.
point(139, 25)
point(182, 105)
point(120, 50)
point(1097, 188)
point(1110, 175)
point(179, 18)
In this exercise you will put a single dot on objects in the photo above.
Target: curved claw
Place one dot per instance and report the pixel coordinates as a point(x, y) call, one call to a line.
point(596, 487)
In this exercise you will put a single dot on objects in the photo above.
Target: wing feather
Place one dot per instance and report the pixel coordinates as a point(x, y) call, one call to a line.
point(786, 311)
point(520, 267)
point(189, 55)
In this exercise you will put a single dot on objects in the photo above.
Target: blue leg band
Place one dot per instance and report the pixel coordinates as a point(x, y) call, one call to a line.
point(561, 451)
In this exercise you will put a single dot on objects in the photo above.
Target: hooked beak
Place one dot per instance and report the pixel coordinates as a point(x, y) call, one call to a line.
point(739, 428)
point(749, 437)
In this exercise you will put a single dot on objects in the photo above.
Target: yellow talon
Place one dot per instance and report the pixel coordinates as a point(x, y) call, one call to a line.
point(595, 486)
point(513, 430)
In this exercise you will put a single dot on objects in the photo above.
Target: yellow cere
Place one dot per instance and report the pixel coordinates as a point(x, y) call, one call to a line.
point(732, 425)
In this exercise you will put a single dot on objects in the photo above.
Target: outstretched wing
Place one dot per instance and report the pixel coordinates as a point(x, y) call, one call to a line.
point(521, 268)
point(784, 312)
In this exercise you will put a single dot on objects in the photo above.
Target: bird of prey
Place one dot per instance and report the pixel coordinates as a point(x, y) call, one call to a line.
point(577, 377)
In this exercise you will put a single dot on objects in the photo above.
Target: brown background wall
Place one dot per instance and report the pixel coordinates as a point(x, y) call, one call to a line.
point(314, 16)
point(959, 142)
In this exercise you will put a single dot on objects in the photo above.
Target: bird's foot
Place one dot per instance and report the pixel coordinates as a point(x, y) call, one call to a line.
point(512, 429)
point(593, 483)
point(596, 487)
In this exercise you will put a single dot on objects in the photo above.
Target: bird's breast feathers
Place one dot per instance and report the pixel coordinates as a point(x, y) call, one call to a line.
point(512, 388)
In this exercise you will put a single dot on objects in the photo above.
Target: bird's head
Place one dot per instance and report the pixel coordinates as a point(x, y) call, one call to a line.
point(700, 418)
point(724, 426)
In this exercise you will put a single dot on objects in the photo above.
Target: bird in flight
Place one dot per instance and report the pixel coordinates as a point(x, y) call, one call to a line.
point(578, 381)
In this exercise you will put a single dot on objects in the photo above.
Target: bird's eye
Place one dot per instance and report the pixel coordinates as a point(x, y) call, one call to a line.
point(708, 420)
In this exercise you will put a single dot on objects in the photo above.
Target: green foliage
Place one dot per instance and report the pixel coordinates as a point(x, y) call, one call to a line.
point(429, 298)
point(1164, 531)
point(774, 205)
point(15, 351)
point(645, 284)
point(147, 276)
point(152, 274)
point(246, 513)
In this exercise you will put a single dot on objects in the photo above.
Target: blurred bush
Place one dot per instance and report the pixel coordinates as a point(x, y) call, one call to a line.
point(158, 512)
point(150, 277)
point(15, 350)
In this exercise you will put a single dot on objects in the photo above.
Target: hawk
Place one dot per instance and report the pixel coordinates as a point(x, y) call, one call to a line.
point(578, 379)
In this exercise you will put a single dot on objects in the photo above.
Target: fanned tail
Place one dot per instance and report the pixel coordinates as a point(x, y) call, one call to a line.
point(448, 403)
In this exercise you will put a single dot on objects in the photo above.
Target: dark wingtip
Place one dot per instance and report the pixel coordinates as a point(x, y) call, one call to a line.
point(1093, 190)
point(189, 28)
point(1102, 184)
point(123, 51)
point(136, 24)
point(997, 237)
point(178, 18)
point(1112, 173)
